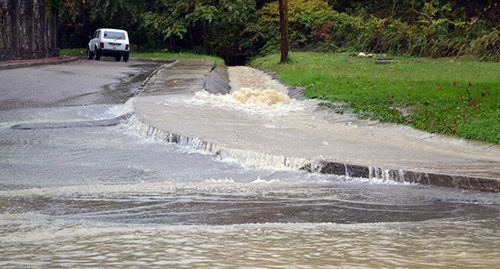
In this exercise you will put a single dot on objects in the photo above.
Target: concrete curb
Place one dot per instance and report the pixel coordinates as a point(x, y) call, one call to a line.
point(218, 82)
point(28, 63)
point(400, 175)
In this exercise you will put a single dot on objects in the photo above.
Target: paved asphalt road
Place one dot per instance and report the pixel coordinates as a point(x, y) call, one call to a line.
point(75, 83)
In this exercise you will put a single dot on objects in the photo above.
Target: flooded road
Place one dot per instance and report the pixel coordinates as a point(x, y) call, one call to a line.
point(105, 196)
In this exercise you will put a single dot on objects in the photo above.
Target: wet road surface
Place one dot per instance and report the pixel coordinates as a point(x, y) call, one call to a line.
point(72, 84)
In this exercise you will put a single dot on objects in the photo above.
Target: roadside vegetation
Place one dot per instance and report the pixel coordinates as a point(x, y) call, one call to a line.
point(73, 52)
point(412, 28)
point(239, 30)
point(452, 96)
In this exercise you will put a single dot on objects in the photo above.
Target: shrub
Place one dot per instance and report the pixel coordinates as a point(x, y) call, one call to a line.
point(433, 30)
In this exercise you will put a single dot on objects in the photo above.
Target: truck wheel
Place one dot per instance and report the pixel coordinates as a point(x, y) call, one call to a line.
point(90, 54)
point(97, 55)
point(125, 57)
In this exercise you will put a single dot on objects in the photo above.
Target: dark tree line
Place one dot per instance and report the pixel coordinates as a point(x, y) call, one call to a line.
point(238, 29)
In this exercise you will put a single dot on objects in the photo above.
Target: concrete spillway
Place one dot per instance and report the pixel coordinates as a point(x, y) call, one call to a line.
point(298, 135)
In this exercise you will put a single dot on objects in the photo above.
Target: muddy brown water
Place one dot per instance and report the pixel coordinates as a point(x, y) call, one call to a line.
point(105, 196)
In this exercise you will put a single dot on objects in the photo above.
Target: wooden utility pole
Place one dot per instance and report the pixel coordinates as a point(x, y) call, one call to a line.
point(284, 30)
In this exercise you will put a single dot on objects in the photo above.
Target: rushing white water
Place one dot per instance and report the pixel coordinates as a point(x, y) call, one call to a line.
point(251, 101)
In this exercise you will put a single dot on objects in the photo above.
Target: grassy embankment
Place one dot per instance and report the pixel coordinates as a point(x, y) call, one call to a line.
point(459, 97)
point(152, 55)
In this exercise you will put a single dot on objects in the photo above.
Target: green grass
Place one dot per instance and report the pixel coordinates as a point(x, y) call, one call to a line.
point(177, 56)
point(453, 96)
point(152, 55)
point(73, 52)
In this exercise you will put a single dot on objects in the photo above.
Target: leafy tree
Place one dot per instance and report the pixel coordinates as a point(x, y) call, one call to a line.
point(227, 38)
point(78, 19)
point(238, 29)
point(302, 14)
point(213, 26)
point(173, 18)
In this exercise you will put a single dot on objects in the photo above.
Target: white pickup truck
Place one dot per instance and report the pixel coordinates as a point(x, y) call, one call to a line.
point(109, 42)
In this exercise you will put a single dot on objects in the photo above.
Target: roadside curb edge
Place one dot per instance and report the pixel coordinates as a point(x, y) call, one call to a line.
point(37, 62)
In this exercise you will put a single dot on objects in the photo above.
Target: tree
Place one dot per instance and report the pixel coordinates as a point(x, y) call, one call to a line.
point(283, 30)
point(206, 26)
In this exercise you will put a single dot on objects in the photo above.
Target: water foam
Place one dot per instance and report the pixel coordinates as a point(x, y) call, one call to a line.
point(254, 97)
point(268, 101)
point(155, 190)
point(265, 160)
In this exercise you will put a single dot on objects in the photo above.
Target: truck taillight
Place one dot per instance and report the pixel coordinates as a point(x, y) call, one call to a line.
point(126, 47)
point(102, 45)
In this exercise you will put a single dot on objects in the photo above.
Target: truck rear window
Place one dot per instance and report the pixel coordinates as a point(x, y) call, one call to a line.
point(114, 35)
